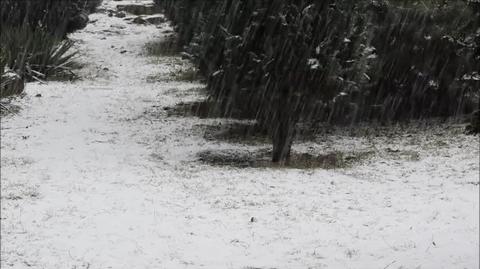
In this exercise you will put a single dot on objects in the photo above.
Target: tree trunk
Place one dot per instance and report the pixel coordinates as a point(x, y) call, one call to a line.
point(282, 136)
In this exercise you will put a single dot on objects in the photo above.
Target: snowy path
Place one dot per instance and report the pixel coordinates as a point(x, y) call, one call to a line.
point(91, 179)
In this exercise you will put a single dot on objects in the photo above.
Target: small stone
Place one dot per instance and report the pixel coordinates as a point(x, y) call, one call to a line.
point(139, 9)
point(155, 19)
point(139, 20)
point(77, 22)
point(120, 14)
point(474, 126)
point(12, 83)
point(38, 95)
point(123, 51)
point(253, 219)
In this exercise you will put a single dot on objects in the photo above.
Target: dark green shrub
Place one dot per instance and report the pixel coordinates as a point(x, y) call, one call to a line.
point(34, 54)
point(345, 61)
point(55, 16)
point(32, 37)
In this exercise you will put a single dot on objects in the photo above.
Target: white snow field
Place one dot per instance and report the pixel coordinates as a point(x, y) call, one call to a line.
point(94, 174)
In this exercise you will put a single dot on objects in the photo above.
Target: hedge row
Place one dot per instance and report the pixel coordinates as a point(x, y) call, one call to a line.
point(32, 39)
point(288, 61)
point(55, 16)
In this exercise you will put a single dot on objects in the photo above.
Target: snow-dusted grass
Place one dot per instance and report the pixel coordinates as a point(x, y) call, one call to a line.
point(96, 175)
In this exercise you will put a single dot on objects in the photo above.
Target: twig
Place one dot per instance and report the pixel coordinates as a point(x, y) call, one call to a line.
point(2, 106)
point(388, 265)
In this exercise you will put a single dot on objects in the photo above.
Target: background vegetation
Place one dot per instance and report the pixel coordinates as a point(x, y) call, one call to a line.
point(285, 62)
point(33, 44)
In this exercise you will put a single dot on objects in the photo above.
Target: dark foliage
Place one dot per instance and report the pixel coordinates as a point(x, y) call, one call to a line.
point(32, 39)
point(285, 61)
point(55, 16)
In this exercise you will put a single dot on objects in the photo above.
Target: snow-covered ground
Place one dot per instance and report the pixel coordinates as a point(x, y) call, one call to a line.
point(96, 175)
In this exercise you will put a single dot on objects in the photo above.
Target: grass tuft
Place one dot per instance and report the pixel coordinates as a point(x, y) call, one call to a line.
point(189, 75)
point(162, 48)
point(34, 54)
